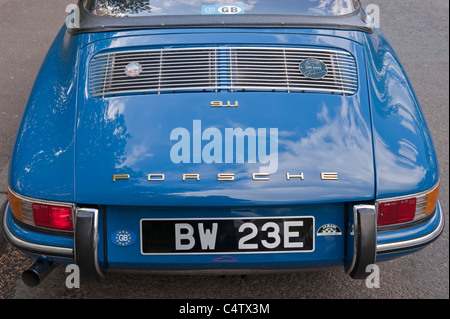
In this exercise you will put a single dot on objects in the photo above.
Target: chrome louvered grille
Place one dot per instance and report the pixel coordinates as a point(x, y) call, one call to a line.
point(221, 68)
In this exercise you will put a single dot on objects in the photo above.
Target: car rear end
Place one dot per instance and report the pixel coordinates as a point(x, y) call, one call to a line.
point(211, 150)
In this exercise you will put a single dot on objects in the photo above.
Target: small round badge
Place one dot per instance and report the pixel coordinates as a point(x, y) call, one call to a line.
point(313, 69)
point(133, 69)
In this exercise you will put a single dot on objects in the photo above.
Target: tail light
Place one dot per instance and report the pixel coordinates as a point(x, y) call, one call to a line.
point(44, 214)
point(399, 210)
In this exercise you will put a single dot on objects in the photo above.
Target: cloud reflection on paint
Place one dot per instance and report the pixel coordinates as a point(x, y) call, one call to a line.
point(341, 143)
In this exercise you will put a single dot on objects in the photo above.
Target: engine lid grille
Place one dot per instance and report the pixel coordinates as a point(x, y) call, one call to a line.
point(213, 69)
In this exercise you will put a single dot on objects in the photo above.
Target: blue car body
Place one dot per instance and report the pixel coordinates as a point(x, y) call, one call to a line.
point(118, 158)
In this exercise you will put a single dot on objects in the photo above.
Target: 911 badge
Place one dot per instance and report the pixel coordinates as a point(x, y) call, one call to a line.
point(329, 230)
point(123, 238)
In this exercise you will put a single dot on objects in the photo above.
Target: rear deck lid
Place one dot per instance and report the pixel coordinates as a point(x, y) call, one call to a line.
point(223, 125)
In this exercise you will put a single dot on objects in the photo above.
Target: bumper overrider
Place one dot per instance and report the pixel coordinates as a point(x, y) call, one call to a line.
point(85, 246)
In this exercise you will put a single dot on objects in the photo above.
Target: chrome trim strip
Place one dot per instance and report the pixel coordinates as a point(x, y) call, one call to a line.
point(210, 89)
point(199, 49)
point(416, 242)
point(55, 251)
point(41, 201)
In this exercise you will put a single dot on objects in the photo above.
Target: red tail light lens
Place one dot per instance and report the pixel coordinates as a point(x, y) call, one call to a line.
point(55, 217)
point(41, 216)
point(395, 212)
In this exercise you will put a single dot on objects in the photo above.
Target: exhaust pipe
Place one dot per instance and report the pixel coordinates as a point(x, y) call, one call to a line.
point(37, 272)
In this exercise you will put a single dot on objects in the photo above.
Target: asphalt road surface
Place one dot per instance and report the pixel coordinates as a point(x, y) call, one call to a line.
point(418, 30)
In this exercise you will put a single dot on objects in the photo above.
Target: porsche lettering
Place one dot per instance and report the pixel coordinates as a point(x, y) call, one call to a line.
point(222, 177)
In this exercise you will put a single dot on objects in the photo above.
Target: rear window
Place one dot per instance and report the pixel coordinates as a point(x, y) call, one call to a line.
point(127, 8)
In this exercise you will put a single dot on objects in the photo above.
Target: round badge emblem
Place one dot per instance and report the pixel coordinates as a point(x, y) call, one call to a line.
point(133, 69)
point(313, 69)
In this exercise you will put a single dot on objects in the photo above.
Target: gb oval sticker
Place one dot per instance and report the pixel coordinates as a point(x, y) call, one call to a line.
point(123, 238)
point(229, 9)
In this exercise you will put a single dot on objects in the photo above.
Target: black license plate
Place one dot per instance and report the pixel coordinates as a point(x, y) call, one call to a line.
point(227, 235)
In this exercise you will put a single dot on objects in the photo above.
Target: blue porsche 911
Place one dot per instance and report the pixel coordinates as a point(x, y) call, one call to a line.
point(221, 137)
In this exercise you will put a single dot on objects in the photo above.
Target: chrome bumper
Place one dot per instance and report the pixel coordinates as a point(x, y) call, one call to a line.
point(33, 248)
point(419, 242)
point(364, 248)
